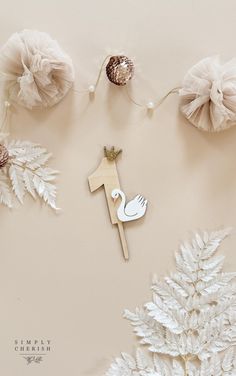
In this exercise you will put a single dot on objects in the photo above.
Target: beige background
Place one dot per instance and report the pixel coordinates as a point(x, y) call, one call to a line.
point(62, 276)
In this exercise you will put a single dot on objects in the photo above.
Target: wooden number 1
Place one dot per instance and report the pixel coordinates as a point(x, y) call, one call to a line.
point(106, 175)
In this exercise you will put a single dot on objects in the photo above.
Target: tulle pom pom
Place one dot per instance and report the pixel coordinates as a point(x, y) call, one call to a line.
point(208, 94)
point(36, 71)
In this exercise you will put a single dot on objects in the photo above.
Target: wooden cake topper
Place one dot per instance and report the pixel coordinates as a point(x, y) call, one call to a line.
point(106, 175)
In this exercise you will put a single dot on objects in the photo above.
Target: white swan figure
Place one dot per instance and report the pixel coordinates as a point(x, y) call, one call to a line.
point(134, 209)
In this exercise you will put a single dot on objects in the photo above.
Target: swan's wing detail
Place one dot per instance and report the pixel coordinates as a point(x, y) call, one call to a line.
point(132, 208)
point(136, 206)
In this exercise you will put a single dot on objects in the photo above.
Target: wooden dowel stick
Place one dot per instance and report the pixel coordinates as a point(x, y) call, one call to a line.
point(123, 240)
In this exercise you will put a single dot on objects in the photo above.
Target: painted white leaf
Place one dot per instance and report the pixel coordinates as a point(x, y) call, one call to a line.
point(213, 242)
point(40, 161)
point(5, 192)
point(215, 365)
point(192, 369)
point(200, 241)
point(169, 296)
point(177, 368)
point(179, 285)
point(29, 154)
point(17, 180)
point(157, 363)
point(46, 191)
point(227, 363)
point(204, 368)
point(130, 361)
point(19, 148)
point(141, 359)
point(47, 173)
point(163, 317)
point(28, 177)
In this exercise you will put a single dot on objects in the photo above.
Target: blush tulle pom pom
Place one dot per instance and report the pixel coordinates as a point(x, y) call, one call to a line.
point(208, 94)
point(36, 71)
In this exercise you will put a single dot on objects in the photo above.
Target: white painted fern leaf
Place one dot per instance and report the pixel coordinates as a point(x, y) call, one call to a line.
point(27, 172)
point(153, 365)
point(5, 191)
point(191, 318)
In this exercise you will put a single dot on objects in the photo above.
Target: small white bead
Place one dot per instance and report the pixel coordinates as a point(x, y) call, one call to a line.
point(7, 104)
point(150, 106)
point(91, 89)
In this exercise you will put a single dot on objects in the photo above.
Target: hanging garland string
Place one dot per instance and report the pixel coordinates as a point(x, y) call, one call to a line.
point(92, 88)
point(37, 73)
point(151, 106)
point(207, 95)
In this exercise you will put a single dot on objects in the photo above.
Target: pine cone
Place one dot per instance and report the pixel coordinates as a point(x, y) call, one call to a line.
point(120, 70)
point(4, 155)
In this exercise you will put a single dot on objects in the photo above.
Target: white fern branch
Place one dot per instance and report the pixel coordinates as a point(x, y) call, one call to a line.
point(190, 324)
point(27, 172)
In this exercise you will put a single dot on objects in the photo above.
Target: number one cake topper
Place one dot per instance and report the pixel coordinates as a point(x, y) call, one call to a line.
point(106, 175)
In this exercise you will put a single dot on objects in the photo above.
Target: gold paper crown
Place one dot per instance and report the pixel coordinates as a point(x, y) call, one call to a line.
point(111, 154)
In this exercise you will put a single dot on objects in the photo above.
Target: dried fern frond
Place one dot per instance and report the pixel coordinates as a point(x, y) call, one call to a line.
point(191, 319)
point(154, 365)
point(27, 172)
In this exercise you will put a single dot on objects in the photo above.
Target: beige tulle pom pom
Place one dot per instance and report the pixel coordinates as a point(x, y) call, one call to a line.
point(36, 71)
point(209, 94)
